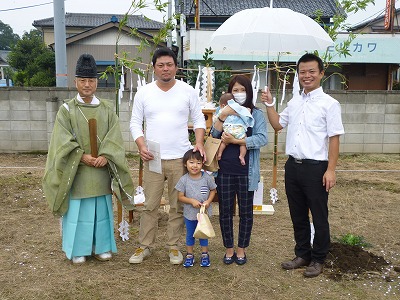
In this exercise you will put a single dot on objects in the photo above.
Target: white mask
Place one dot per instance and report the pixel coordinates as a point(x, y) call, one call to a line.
point(240, 98)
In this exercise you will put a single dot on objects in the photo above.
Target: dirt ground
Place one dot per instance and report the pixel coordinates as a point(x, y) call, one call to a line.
point(365, 202)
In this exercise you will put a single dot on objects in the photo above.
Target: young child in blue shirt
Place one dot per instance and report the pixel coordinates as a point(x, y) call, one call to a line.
point(195, 189)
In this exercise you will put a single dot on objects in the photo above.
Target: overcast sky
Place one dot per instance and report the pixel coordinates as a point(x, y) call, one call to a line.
point(20, 14)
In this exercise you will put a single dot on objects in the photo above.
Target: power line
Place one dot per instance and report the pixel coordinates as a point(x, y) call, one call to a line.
point(372, 17)
point(23, 7)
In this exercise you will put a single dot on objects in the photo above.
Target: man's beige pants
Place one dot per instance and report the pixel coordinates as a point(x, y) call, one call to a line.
point(172, 171)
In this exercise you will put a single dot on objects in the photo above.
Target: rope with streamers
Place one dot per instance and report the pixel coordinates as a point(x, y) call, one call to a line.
point(148, 67)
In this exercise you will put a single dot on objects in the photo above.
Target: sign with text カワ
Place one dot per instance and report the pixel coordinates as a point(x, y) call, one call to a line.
point(369, 48)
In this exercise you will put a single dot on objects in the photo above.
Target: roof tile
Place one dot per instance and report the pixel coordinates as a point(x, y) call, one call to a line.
point(94, 20)
point(230, 7)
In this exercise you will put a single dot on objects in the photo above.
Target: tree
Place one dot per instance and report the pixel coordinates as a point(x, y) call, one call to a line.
point(7, 37)
point(33, 62)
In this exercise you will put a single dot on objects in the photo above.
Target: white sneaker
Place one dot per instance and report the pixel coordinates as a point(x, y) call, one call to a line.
point(139, 255)
point(175, 257)
point(103, 256)
point(78, 260)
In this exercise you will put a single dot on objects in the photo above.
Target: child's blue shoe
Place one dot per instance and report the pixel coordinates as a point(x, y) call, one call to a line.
point(189, 261)
point(205, 259)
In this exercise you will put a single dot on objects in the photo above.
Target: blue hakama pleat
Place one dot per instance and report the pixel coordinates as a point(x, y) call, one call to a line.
point(88, 227)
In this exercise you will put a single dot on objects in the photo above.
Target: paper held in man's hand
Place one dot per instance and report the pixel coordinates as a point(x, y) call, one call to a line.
point(154, 164)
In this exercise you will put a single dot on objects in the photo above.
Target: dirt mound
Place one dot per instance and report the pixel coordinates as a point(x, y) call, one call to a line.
point(352, 262)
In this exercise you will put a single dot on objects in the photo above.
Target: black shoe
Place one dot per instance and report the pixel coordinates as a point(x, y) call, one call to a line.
point(229, 260)
point(241, 260)
point(314, 269)
point(295, 263)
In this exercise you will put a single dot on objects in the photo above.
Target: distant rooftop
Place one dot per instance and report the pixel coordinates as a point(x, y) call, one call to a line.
point(3, 56)
point(328, 8)
point(95, 20)
point(375, 20)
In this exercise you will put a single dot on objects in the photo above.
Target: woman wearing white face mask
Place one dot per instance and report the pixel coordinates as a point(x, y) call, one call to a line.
point(235, 179)
point(240, 97)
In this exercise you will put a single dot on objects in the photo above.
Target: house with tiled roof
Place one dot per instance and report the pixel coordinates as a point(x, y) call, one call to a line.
point(79, 22)
point(97, 34)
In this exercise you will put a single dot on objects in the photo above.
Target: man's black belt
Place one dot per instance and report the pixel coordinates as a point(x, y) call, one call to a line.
point(305, 161)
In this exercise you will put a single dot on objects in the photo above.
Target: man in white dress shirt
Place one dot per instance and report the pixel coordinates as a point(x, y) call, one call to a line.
point(312, 143)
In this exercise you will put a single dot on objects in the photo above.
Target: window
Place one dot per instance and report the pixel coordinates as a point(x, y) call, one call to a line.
point(103, 82)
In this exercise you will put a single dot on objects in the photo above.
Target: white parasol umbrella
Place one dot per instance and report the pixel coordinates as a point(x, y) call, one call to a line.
point(269, 30)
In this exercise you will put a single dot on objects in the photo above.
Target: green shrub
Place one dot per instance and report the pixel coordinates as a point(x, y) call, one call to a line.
point(353, 240)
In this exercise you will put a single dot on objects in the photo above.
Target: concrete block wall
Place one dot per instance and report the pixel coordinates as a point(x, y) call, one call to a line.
point(27, 117)
point(371, 119)
point(23, 120)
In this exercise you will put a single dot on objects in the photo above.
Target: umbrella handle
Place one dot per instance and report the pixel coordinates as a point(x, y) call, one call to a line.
point(273, 98)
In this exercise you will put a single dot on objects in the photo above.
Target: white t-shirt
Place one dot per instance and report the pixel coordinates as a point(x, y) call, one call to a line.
point(166, 116)
point(311, 119)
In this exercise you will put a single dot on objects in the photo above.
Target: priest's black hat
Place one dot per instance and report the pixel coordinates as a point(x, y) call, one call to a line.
point(86, 66)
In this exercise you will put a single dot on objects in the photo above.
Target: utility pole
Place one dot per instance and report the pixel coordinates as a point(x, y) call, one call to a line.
point(197, 14)
point(60, 44)
point(393, 16)
point(169, 38)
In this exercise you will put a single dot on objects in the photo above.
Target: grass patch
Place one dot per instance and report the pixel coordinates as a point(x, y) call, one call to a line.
point(353, 240)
